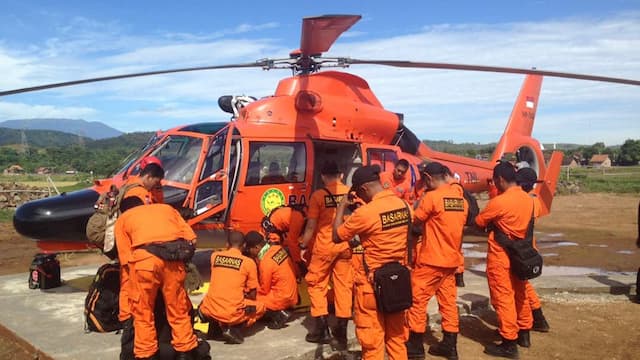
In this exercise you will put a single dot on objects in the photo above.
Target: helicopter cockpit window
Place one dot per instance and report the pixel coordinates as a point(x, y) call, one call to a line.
point(384, 158)
point(276, 163)
point(179, 156)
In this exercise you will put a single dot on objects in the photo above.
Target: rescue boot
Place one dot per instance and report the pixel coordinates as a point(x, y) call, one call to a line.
point(415, 347)
point(339, 335)
point(184, 355)
point(460, 279)
point(233, 334)
point(152, 357)
point(524, 339)
point(539, 322)
point(506, 349)
point(319, 334)
point(276, 319)
point(447, 347)
point(214, 332)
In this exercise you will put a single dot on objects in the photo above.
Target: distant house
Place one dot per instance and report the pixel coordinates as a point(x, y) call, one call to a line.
point(71, 172)
point(43, 170)
point(14, 170)
point(600, 160)
point(572, 161)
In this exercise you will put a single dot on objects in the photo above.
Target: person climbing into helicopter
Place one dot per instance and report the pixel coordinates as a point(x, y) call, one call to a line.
point(329, 261)
point(398, 182)
point(284, 225)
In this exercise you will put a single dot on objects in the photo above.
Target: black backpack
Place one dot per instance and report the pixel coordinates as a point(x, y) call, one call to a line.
point(474, 209)
point(101, 304)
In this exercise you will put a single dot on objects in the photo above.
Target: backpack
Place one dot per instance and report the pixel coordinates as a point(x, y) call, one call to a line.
point(101, 225)
point(101, 304)
point(474, 209)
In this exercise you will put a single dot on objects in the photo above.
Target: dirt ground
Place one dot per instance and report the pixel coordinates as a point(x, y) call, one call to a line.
point(587, 230)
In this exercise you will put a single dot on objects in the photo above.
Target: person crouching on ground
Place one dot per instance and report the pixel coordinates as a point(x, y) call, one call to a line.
point(230, 303)
point(278, 289)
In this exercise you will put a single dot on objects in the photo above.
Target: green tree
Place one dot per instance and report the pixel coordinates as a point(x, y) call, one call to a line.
point(629, 152)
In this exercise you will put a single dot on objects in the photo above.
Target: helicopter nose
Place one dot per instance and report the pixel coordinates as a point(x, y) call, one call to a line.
point(59, 218)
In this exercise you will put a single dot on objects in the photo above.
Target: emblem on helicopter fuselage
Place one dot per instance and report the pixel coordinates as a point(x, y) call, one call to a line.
point(271, 199)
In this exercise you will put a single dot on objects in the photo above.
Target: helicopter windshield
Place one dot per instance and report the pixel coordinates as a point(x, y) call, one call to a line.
point(179, 155)
point(134, 156)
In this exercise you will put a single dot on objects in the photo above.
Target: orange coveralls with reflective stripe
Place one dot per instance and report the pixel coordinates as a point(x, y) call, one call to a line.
point(291, 223)
point(232, 276)
point(142, 225)
point(328, 259)
point(278, 286)
point(401, 188)
point(510, 212)
point(383, 241)
point(444, 213)
point(124, 247)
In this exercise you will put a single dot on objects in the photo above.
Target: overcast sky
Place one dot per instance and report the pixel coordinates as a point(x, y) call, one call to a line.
point(51, 41)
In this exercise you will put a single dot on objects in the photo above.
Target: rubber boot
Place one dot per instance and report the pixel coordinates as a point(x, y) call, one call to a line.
point(339, 335)
point(184, 355)
point(459, 279)
point(524, 339)
point(415, 346)
point(506, 349)
point(447, 347)
point(233, 334)
point(152, 357)
point(319, 334)
point(276, 319)
point(539, 322)
point(638, 280)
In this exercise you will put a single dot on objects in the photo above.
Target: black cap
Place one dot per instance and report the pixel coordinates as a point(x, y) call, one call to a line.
point(505, 170)
point(526, 176)
point(253, 238)
point(435, 168)
point(364, 175)
point(330, 168)
point(422, 167)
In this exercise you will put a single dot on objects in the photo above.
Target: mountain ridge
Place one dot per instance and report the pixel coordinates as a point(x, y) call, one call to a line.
point(90, 129)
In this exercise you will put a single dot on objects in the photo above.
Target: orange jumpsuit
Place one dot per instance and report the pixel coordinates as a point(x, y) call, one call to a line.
point(329, 260)
point(278, 287)
point(384, 239)
point(232, 276)
point(510, 212)
point(401, 188)
point(124, 247)
point(139, 226)
point(291, 223)
point(444, 213)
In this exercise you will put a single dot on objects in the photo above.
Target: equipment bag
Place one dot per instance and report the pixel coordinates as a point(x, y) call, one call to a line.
point(525, 261)
point(176, 250)
point(474, 209)
point(101, 304)
point(392, 281)
point(101, 225)
point(392, 287)
point(44, 272)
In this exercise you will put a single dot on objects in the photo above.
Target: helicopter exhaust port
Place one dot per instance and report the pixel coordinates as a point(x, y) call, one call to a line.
point(233, 103)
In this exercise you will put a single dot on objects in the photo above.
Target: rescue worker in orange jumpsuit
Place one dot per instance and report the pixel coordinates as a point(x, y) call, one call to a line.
point(278, 289)
point(511, 213)
point(526, 178)
point(398, 181)
point(231, 298)
point(285, 225)
point(146, 190)
point(329, 261)
point(156, 225)
point(442, 213)
point(384, 239)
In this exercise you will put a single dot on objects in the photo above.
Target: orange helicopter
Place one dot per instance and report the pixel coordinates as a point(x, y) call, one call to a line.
point(231, 174)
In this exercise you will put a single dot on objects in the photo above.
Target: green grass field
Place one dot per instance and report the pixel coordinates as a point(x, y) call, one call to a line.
point(621, 179)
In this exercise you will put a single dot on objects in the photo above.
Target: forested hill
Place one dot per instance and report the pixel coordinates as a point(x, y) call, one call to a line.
point(39, 138)
point(90, 129)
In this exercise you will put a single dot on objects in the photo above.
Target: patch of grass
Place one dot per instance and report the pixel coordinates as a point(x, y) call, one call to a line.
point(622, 179)
point(6, 215)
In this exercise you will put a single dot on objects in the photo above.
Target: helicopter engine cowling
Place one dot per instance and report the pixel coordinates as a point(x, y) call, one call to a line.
point(59, 218)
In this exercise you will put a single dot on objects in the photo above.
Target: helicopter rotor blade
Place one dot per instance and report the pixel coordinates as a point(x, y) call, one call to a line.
point(320, 32)
point(260, 63)
point(498, 69)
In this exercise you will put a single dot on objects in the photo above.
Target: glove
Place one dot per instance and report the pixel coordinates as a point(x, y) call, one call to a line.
point(354, 242)
point(251, 309)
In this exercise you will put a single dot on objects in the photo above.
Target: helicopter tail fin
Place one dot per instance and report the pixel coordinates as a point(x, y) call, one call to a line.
point(546, 189)
point(518, 130)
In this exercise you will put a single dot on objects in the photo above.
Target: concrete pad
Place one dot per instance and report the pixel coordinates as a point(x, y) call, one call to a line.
point(53, 321)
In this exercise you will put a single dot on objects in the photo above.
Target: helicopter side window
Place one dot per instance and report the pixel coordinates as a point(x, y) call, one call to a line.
point(215, 156)
point(384, 158)
point(276, 163)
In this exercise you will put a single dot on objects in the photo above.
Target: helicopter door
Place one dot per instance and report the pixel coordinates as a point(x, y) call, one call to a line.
point(210, 197)
point(346, 155)
point(276, 173)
